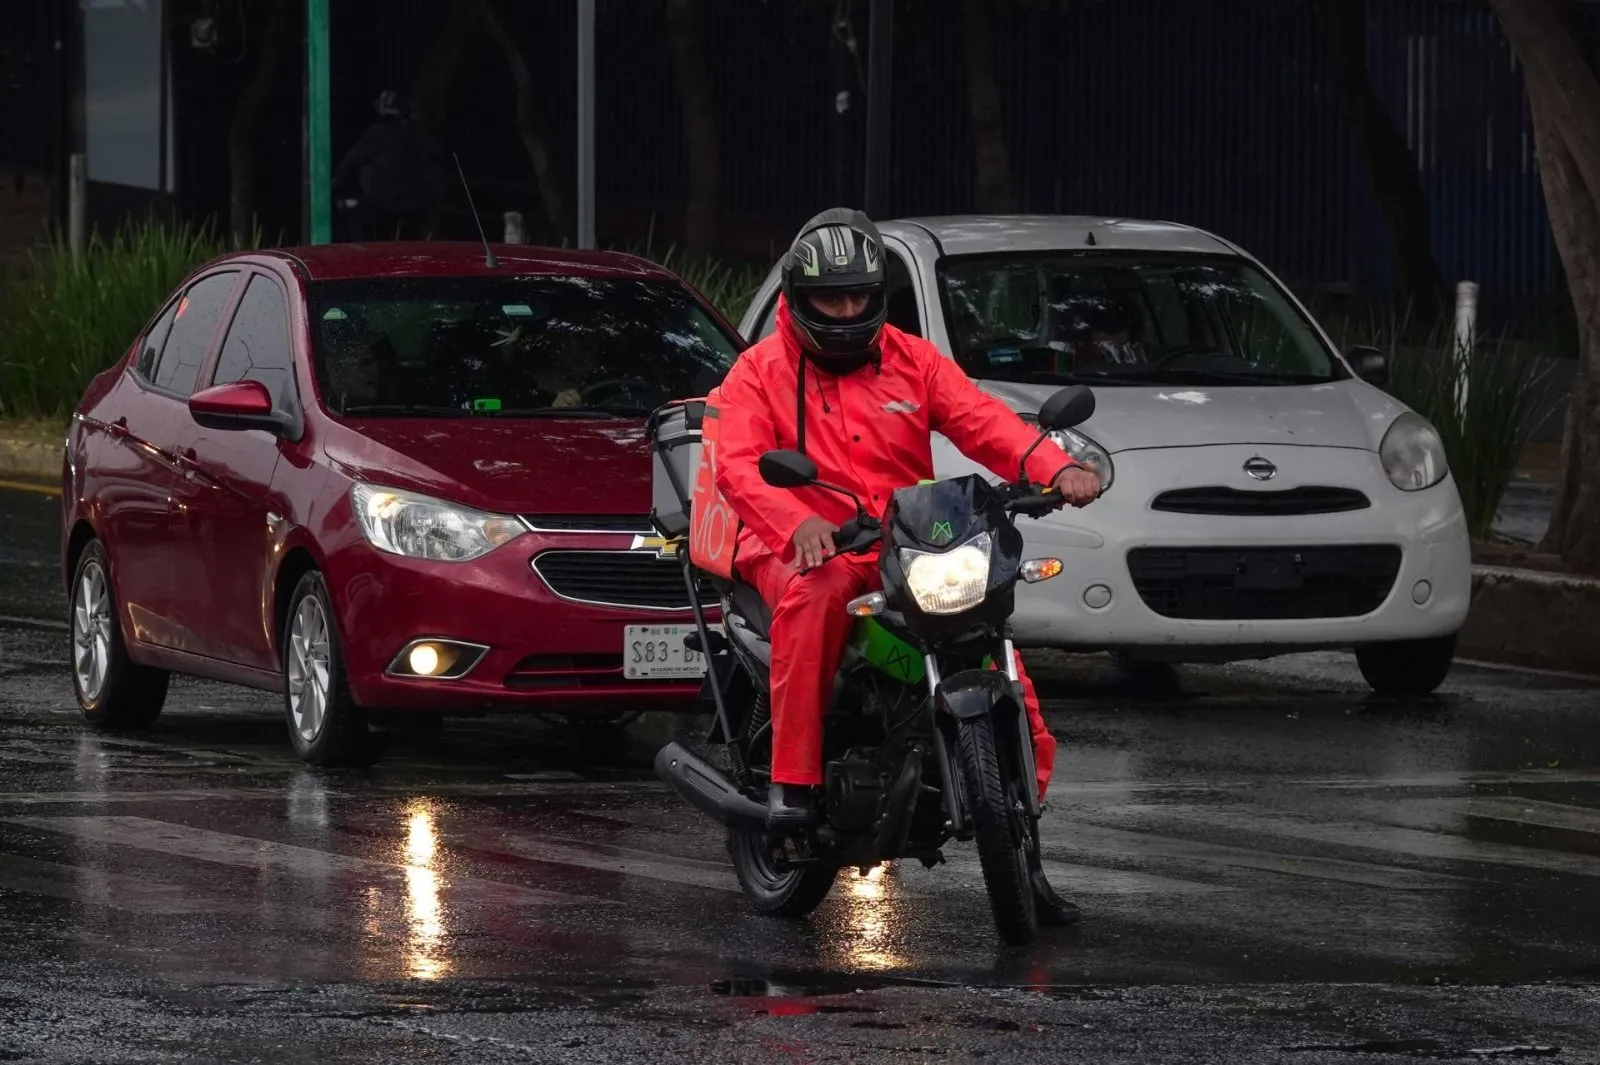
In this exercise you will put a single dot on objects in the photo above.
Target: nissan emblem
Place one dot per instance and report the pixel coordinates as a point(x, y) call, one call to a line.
point(1260, 468)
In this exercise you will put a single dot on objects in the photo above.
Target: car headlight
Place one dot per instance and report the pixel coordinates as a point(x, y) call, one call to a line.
point(951, 581)
point(1086, 453)
point(1413, 454)
point(418, 526)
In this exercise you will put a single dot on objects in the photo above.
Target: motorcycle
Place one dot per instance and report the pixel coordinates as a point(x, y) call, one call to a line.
point(926, 739)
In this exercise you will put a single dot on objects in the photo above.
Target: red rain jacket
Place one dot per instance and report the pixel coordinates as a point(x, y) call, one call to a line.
point(867, 431)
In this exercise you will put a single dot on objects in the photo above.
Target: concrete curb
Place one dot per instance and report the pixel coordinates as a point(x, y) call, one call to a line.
point(1532, 618)
point(31, 460)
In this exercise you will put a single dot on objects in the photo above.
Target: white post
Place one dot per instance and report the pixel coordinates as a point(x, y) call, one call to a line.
point(77, 194)
point(513, 227)
point(1466, 338)
point(586, 234)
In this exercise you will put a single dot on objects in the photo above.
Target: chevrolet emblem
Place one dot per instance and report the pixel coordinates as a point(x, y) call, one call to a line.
point(663, 547)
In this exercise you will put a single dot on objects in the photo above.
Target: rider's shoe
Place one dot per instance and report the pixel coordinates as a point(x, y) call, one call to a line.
point(790, 807)
point(1052, 908)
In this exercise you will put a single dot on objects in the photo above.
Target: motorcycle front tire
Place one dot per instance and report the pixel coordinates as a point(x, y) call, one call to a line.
point(993, 809)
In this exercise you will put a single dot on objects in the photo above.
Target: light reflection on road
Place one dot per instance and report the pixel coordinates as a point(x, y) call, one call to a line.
point(425, 934)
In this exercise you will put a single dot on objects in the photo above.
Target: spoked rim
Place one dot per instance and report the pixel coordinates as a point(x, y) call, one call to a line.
point(91, 632)
point(307, 668)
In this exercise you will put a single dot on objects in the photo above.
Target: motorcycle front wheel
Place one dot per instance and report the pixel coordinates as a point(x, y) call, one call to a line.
point(999, 822)
point(773, 890)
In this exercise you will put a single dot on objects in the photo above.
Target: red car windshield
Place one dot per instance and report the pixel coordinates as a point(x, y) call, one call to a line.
point(511, 347)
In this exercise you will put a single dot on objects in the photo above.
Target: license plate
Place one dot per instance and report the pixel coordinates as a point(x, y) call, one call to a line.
point(1270, 573)
point(656, 652)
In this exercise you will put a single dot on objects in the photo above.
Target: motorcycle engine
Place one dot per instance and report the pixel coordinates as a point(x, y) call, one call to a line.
point(855, 790)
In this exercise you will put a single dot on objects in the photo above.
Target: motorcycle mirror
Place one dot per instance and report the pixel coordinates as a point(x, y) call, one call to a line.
point(1072, 406)
point(788, 469)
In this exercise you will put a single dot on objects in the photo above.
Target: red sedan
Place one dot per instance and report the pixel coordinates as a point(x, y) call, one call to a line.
point(387, 477)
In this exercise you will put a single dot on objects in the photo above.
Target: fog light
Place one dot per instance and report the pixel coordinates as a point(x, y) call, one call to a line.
point(1097, 597)
point(424, 660)
point(1421, 593)
point(437, 659)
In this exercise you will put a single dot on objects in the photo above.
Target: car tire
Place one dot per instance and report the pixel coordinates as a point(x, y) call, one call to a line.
point(1407, 667)
point(114, 692)
point(326, 726)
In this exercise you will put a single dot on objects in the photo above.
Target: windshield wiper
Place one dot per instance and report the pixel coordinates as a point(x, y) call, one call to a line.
point(1179, 375)
point(569, 412)
point(421, 410)
point(1050, 377)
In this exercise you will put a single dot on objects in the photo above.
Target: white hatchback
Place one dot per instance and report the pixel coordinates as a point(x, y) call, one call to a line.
point(1264, 495)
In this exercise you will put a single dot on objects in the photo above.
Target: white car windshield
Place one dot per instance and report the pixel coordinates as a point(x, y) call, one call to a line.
point(1117, 319)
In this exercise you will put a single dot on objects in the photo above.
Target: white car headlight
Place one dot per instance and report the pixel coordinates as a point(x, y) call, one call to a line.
point(1086, 453)
point(951, 581)
point(418, 526)
point(1413, 454)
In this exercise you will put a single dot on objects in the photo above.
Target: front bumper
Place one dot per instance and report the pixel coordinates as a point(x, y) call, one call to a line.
point(544, 651)
point(1096, 603)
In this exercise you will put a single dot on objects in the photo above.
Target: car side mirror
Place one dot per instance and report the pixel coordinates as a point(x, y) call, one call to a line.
point(1370, 364)
point(1072, 406)
point(237, 406)
point(788, 469)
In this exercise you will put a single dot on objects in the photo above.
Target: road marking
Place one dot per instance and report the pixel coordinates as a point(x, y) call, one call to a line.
point(1127, 844)
point(24, 486)
point(36, 623)
point(95, 887)
point(1412, 843)
point(223, 848)
point(604, 858)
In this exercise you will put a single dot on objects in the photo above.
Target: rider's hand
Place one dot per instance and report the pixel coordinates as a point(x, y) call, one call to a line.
point(1077, 486)
point(813, 542)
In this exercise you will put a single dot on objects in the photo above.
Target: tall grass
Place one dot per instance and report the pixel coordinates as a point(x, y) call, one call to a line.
point(1480, 398)
point(62, 322)
point(730, 286)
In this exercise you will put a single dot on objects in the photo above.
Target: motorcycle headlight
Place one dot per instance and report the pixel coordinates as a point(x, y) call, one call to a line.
point(951, 581)
point(1086, 453)
point(418, 526)
point(1413, 454)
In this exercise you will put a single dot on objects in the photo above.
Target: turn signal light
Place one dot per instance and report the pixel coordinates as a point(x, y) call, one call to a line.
point(868, 606)
point(1041, 569)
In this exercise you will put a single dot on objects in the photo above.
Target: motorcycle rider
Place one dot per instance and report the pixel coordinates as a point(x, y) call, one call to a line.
point(861, 398)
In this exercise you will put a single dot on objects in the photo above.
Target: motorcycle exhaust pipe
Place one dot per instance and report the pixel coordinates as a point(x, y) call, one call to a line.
point(706, 788)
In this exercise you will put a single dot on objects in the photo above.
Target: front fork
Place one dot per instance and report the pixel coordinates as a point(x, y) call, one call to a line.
point(972, 693)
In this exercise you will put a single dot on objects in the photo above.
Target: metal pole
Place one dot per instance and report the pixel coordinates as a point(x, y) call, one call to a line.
point(77, 188)
point(586, 234)
point(319, 123)
point(880, 77)
point(1466, 339)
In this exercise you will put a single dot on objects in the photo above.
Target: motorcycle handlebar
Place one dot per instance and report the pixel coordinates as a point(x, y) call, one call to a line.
point(855, 537)
point(1036, 505)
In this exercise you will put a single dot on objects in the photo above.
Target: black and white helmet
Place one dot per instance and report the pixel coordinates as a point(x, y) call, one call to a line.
point(839, 252)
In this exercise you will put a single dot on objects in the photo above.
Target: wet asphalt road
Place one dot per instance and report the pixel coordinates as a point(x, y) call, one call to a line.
point(1273, 867)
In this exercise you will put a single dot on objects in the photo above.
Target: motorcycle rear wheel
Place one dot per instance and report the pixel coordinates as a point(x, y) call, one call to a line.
point(776, 892)
point(998, 823)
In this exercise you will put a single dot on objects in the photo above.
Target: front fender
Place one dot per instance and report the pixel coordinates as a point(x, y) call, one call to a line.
point(977, 693)
point(974, 693)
